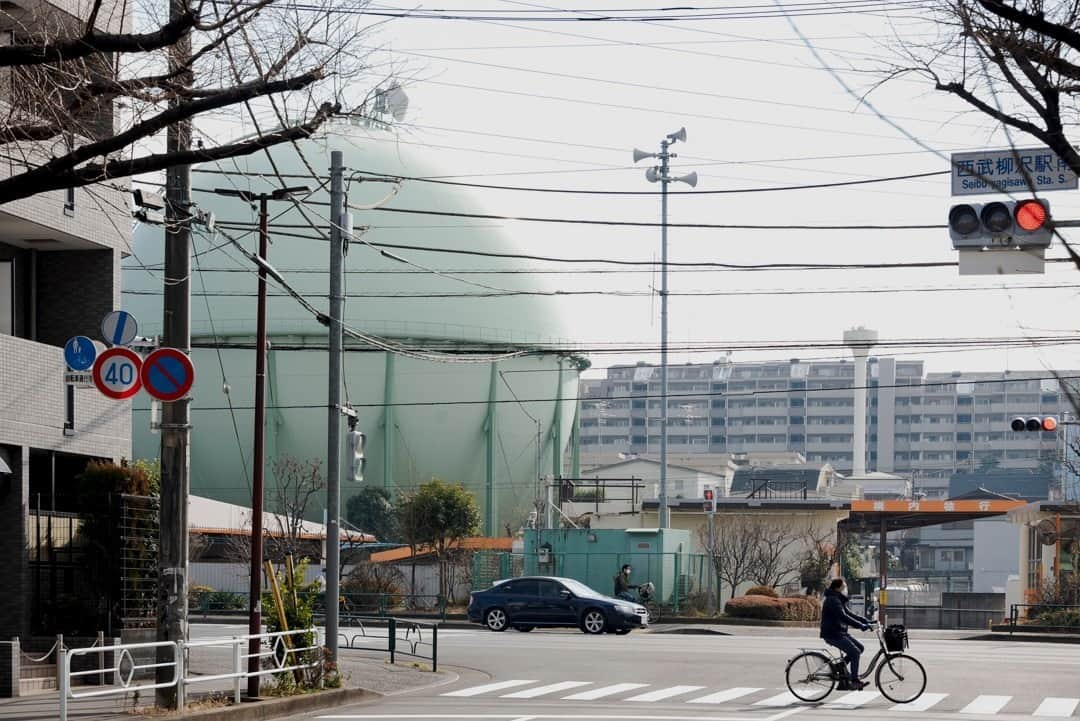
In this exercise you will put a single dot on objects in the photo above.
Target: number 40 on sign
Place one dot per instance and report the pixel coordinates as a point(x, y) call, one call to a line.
point(116, 373)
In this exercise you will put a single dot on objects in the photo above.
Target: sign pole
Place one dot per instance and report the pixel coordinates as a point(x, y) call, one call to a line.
point(175, 426)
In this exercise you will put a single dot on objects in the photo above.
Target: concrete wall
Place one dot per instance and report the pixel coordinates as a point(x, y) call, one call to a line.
point(996, 544)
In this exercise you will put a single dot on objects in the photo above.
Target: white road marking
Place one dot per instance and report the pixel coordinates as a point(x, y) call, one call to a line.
point(726, 695)
point(604, 691)
point(499, 686)
point(781, 699)
point(986, 704)
point(922, 703)
point(550, 688)
point(664, 693)
point(1057, 707)
point(558, 717)
point(855, 698)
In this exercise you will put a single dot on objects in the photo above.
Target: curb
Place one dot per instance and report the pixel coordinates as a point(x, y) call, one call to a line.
point(691, 631)
point(267, 708)
point(1029, 638)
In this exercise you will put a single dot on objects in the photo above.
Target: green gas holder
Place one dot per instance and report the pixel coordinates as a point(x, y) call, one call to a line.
point(594, 557)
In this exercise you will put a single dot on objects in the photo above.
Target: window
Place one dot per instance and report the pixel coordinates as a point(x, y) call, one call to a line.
point(639, 404)
point(796, 438)
point(69, 201)
point(639, 421)
point(963, 418)
point(7, 297)
point(549, 589)
point(796, 402)
point(963, 438)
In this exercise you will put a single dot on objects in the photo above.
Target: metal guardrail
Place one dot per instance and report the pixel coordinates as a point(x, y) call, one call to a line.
point(1014, 612)
point(396, 636)
point(283, 656)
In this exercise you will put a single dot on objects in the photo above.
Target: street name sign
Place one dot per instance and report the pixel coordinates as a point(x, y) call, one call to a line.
point(119, 328)
point(116, 373)
point(986, 172)
point(79, 379)
point(80, 353)
point(167, 374)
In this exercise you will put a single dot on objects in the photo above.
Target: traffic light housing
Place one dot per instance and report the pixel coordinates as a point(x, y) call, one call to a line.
point(710, 499)
point(356, 456)
point(1012, 223)
point(1047, 424)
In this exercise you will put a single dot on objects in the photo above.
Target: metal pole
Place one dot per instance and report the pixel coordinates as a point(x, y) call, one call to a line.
point(663, 510)
point(883, 572)
point(710, 596)
point(333, 419)
point(259, 463)
point(175, 419)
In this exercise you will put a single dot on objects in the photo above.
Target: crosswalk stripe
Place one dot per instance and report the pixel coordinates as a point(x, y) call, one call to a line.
point(1057, 707)
point(664, 693)
point(550, 688)
point(498, 686)
point(923, 703)
point(986, 704)
point(726, 695)
point(596, 693)
point(855, 698)
point(781, 699)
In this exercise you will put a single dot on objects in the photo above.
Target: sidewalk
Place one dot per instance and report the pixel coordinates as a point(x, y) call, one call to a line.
point(359, 671)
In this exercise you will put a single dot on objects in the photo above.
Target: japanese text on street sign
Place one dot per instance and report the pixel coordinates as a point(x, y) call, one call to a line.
point(986, 172)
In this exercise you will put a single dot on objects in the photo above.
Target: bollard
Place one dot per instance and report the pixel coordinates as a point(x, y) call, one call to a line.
point(435, 648)
point(392, 634)
point(178, 670)
point(238, 668)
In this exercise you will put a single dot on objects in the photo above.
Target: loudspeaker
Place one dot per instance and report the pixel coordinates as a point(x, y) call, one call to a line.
point(641, 155)
point(679, 134)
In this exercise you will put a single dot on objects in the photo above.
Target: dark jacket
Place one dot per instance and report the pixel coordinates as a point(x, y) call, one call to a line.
point(836, 617)
point(622, 585)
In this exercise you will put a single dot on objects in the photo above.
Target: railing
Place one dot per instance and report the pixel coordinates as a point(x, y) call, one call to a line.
point(1015, 612)
point(780, 489)
point(280, 648)
point(362, 604)
point(396, 636)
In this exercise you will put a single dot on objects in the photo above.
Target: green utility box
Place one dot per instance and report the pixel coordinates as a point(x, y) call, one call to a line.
point(594, 557)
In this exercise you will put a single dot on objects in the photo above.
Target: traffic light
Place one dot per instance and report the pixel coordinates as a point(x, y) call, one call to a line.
point(356, 456)
point(1012, 223)
point(710, 499)
point(1047, 424)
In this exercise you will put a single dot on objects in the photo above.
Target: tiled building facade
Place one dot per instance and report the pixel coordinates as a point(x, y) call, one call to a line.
point(928, 425)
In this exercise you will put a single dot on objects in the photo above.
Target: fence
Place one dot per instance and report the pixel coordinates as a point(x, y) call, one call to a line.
point(679, 577)
point(286, 651)
point(225, 603)
point(1024, 610)
point(396, 636)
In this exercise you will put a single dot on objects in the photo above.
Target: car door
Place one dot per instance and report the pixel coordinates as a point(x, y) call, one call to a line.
point(557, 604)
point(522, 601)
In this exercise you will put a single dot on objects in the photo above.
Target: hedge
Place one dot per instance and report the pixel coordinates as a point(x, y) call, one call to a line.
point(762, 591)
point(796, 608)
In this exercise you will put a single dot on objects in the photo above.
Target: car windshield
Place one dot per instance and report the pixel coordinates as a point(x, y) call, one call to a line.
point(580, 589)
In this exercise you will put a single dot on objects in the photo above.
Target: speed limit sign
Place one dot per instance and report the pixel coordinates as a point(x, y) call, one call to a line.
point(116, 373)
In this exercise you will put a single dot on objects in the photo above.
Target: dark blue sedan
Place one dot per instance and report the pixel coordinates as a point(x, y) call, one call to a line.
point(531, 601)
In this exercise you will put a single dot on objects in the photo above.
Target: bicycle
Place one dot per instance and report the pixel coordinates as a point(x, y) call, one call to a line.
point(814, 673)
point(646, 592)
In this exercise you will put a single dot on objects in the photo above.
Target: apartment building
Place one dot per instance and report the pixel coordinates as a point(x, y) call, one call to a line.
point(59, 275)
point(926, 425)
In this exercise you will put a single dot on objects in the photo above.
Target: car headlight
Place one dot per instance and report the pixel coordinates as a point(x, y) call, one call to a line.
point(627, 608)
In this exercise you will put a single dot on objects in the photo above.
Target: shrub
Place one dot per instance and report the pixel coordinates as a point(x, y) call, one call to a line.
point(196, 594)
point(1060, 618)
point(801, 608)
point(762, 591)
point(761, 607)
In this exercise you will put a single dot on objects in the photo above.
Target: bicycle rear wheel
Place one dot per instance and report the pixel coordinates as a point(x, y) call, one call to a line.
point(653, 609)
point(901, 678)
point(810, 676)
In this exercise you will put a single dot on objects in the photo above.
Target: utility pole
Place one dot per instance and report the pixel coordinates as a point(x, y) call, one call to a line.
point(653, 175)
point(258, 461)
point(175, 417)
point(333, 417)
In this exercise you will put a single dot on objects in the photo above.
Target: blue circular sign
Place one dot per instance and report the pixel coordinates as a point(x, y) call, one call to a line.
point(167, 374)
point(80, 353)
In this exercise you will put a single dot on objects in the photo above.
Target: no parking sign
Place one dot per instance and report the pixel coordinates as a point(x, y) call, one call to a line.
point(167, 374)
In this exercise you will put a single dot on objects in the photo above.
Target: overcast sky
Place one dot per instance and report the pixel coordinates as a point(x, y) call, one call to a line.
point(561, 104)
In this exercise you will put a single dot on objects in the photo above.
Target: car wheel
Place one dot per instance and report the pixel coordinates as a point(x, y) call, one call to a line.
point(622, 632)
point(524, 629)
point(495, 619)
point(593, 621)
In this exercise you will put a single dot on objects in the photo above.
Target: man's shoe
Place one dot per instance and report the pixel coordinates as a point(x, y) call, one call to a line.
point(858, 685)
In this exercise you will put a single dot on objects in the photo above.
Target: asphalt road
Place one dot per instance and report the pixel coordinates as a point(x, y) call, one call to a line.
point(567, 675)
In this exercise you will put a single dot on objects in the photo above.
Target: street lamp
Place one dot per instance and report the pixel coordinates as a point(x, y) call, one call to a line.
point(659, 174)
point(258, 451)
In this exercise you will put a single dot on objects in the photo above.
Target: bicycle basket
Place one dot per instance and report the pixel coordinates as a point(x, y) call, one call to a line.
point(896, 638)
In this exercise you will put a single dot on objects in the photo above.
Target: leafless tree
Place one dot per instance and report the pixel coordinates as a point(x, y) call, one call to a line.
point(776, 561)
point(297, 483)
point(86, 93)
point(734, 551)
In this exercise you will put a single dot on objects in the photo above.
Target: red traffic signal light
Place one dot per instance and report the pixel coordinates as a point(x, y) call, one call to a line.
point(1047, 424)
point(1031, 215)
point(708, 494)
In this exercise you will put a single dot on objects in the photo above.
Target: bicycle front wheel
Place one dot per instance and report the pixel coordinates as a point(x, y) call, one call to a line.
point(901, 678)
point(653, 609)
point(810, 676)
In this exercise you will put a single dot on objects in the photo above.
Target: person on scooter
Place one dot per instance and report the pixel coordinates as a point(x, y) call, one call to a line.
point(623, 585)
point(835, 619)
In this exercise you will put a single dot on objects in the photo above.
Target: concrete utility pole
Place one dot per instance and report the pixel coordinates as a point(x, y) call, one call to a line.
point(333, 417)
point(659, 174)
point(175, 417)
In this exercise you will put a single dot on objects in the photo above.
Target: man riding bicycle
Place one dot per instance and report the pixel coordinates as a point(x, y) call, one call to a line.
point(623, 585)
point(835, 619)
